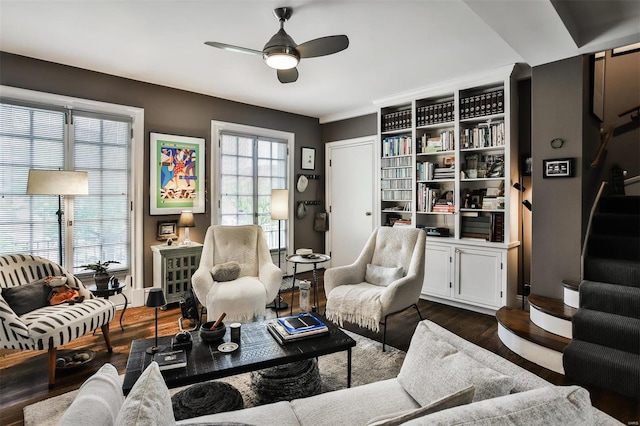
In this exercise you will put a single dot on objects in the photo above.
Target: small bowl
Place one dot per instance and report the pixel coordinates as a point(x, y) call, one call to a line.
point(208, 335)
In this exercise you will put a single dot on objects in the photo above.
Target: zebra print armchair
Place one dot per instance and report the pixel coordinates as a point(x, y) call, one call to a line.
point(48, 327)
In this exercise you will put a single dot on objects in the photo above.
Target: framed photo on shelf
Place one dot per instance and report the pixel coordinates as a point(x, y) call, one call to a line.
point(177, 174)
point(558, 168)
point(167, 230)
point(308, 158)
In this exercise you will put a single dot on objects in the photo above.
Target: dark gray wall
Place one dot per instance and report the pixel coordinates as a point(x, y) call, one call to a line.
point(622, 92)
point(351, 128)
point(176, 112)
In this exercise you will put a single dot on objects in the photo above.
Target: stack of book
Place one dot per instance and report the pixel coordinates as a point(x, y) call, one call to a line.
point(296, 327)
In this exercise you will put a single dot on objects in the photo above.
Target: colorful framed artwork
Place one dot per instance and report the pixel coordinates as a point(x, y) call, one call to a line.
point(177, 174)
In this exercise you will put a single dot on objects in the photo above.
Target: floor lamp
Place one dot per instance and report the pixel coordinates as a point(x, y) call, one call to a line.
point(526, 203)
point(279, 212)
point(57, 182)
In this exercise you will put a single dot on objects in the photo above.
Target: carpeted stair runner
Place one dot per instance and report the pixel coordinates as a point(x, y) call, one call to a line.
point(605, 350)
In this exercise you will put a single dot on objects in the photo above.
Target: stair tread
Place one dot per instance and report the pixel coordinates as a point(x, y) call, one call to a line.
point(518, 322)
point(551, 306)
point(571, 285)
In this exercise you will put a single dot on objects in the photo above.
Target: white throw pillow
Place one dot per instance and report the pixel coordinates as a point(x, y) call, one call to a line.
point(434, 368)
point(382, 275)
point(551, 405)
point(227, 271)
point(102, 392)
point(396, 419)
point(149, 402)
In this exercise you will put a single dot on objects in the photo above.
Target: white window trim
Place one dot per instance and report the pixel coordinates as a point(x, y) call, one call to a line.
point(217, 128)
point(136, 285)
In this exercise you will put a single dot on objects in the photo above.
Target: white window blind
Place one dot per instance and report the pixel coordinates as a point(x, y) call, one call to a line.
point(250, 166)
point(41, 138)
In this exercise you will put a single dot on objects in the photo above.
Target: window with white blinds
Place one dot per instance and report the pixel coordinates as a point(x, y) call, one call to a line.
point(250, 166)
point(39, 138)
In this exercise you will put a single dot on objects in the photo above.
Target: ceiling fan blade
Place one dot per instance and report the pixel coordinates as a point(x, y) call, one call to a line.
point(233, 48)
point(323, 46)
point(288, 76)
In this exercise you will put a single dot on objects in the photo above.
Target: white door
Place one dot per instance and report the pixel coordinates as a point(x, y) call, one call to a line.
point(478, 278)
point(351, 197)
point(437, 277)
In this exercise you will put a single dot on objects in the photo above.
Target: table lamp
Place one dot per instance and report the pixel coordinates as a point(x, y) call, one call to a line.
point(186, 221)
point(279, 211)
point(57, 182)
point(155, 299)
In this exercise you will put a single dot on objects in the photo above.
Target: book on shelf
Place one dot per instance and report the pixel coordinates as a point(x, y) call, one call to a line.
point(170, 360)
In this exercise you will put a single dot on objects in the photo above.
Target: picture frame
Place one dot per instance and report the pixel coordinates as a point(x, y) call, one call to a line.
point(558, 168)
point(308, 158)
point(177, 174)
point(167, 230)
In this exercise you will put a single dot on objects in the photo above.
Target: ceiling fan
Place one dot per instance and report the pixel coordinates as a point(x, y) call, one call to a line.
point(283, 54)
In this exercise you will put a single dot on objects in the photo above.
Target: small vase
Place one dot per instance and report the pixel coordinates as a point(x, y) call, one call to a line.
point(102, 281)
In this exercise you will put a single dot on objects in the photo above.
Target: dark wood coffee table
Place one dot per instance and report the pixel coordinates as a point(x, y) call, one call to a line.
point(258, 350)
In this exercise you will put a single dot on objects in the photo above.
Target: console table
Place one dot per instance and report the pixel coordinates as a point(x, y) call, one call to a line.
point(173, 267)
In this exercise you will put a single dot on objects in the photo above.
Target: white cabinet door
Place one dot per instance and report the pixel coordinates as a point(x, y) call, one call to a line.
point(437, 271)
point(478, 277)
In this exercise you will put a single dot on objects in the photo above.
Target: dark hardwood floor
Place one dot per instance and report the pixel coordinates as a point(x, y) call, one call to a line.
point(23, 374)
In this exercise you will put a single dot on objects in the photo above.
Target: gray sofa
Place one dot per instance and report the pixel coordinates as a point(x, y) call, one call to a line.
point(438, 363)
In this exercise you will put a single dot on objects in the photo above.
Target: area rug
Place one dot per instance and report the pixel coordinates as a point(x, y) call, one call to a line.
point(369, 364)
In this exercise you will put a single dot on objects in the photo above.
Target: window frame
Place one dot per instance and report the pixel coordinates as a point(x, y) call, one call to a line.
point(220, 127)
point(53, 101)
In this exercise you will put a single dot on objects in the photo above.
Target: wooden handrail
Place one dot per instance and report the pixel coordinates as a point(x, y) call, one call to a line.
point(637, 108)
point(603, 145)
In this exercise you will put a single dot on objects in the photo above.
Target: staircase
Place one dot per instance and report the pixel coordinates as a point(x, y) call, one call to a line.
point(605, 350)
point(601, 314)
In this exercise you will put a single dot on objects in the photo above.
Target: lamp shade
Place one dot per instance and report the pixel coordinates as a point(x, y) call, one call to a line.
point(155, 298)
point(280, 204)
point(57, 182)
point(186, 219)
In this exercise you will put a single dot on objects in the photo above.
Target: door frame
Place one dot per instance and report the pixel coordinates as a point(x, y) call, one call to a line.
point(329, 147)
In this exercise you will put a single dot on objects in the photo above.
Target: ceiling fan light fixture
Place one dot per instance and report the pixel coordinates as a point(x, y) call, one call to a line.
point(281, 57)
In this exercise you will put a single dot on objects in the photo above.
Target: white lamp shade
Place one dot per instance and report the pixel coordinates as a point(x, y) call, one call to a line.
point(57, 182)
point(280, 204)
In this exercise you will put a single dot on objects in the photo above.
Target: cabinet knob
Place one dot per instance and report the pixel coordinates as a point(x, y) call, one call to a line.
point(367, 214)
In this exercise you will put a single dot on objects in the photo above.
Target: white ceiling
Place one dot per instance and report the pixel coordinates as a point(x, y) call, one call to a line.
point(395, 46)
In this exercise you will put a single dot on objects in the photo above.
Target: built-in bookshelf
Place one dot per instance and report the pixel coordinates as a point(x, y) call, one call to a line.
point(448, 160)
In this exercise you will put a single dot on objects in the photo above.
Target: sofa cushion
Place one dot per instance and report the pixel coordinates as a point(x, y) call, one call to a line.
point(98, 401)
point(28, 297)
point(458, 398)
point(279, 413)
point(552, 405)
point(382, 275)
point(353, 406)
point(446, 370)
point(149, 402)
point(227, 271)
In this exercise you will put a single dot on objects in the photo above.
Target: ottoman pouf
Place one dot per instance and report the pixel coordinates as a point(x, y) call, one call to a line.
point(206, 398)
point(286, 382)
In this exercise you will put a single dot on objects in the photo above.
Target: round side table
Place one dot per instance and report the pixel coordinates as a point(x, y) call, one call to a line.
point(111, 291)
point(314, 259)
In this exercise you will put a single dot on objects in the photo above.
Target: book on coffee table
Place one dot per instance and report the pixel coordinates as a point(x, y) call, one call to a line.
point(282, 336)
point(171, 360)
point(302, 323)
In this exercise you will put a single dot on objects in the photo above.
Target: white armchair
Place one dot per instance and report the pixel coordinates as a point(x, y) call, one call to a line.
point(36, 325)
point(385, 279)
point(258, 280)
